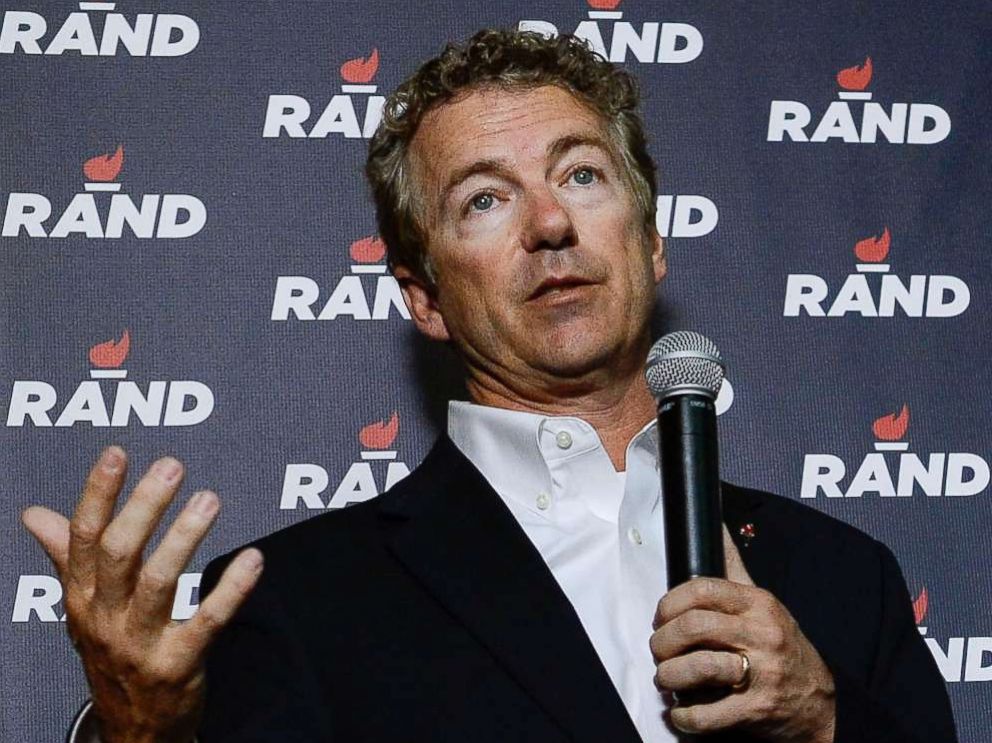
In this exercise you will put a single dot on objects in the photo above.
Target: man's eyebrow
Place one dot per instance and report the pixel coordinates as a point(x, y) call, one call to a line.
point(462, 174)
point(563, 144)
point(495, 166)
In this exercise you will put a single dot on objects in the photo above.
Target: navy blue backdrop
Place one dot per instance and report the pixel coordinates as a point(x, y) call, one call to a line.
point(189, 266)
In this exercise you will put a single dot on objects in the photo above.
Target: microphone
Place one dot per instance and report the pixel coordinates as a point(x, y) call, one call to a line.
point(684, 373)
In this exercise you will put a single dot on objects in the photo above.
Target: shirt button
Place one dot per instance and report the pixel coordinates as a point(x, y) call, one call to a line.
point(563, 439)
point(634, 536)
point(543, 501)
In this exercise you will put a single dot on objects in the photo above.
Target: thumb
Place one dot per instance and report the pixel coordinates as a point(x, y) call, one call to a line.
point(736, 571)
point(51, 529)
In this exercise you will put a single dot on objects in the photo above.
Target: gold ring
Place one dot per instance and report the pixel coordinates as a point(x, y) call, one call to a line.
point(745, 671)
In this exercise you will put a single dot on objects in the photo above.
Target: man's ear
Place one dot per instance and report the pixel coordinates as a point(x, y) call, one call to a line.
point(659, 257)
point(421, 300)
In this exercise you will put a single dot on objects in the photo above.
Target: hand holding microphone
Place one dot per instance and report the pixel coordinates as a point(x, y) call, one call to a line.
point(731, 651)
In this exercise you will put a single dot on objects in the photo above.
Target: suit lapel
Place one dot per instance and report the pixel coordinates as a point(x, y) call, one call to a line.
point(754, 534)
point(454, 533)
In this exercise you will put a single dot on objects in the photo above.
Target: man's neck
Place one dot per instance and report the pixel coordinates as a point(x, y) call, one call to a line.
point(617, 412)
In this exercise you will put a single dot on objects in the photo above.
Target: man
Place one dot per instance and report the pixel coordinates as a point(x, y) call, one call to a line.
point(508, 589)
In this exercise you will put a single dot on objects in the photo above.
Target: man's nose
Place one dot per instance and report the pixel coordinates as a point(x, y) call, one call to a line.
point(548, 225)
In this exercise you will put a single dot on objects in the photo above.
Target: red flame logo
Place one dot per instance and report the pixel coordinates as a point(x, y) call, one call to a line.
point(873, 249)
point(920, 605)
point(603, 4)
point(104, 167)
point(361, 70)
point(368, 249)
point(111, 355)
point(855, 78)
point(891, 427)
point(381, 434)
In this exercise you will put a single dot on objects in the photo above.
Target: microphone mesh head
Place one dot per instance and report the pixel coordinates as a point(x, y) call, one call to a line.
point(684, 361)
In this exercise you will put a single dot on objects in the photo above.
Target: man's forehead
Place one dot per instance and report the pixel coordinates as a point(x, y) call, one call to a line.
point(484, 122)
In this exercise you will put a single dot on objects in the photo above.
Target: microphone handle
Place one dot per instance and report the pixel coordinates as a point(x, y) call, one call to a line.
point(690, 482)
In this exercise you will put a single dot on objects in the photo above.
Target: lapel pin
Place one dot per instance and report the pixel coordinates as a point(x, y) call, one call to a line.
point(748, 532)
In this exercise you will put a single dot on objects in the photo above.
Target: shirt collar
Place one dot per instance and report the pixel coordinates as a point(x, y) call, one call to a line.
point(502, 444)
point(506, 445)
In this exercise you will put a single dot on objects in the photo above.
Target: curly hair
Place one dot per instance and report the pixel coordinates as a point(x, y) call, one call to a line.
point(506, 59)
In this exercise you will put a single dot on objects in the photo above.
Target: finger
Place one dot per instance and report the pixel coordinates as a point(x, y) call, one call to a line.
point(236, 582)
point(736, 571)
point(51, 529)
point(702, 668)
point(121, 545)
point(155, 590)
point(698, 629)
point(710, 718)
point(715, 594)
point(93, 513)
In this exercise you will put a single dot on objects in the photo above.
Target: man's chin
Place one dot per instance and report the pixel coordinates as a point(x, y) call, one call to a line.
point(570, 360)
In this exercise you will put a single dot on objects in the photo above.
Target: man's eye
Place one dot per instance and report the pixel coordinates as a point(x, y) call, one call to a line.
point(584, 176)
point(482, 202)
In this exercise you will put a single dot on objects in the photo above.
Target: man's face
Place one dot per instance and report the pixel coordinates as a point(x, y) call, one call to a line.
point(544, 270)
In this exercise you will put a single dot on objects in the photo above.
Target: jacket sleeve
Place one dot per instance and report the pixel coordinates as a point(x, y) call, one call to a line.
point(905, 700)
point(259, 680)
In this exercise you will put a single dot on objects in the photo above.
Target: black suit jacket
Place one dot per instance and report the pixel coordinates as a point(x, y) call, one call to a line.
point(426, 614)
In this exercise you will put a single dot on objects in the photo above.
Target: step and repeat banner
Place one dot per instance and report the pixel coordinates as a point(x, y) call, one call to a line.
point(189, 266)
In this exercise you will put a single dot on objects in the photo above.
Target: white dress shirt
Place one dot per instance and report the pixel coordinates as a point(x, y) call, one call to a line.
point(598, 530)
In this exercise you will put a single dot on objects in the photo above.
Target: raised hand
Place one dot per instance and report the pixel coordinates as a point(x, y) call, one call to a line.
point(145, 671)
point(704, 630)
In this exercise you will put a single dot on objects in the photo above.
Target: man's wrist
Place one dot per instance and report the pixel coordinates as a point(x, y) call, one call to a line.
point(85, 728)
